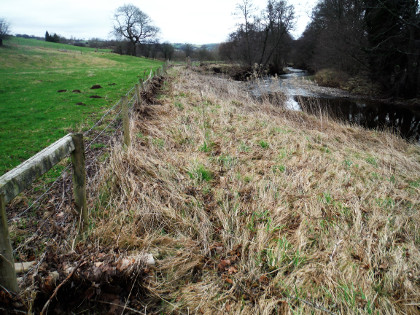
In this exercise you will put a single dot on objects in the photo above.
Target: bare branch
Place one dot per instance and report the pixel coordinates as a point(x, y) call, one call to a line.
point(133, 24)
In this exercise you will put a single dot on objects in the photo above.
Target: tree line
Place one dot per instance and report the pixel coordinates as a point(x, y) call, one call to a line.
point(380, 38)
point(261, 38)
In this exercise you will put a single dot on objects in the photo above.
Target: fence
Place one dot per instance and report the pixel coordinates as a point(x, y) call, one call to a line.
point(21, 177)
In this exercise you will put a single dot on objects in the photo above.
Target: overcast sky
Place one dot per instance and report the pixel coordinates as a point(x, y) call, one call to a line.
point(180, 21)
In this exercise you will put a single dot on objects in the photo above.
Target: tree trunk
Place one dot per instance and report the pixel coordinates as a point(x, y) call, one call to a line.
point(412, 66)
point(134, 49)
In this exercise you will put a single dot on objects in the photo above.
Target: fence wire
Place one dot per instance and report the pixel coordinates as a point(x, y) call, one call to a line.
point(102, 118)
point(87, 148)
point(64, 174)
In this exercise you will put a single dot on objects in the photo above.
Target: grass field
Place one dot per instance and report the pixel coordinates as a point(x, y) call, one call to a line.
point(33, 114)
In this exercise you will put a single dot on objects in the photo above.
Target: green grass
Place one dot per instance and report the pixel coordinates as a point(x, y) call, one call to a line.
point(201, 174)
point(263, 144)
point(33, 114)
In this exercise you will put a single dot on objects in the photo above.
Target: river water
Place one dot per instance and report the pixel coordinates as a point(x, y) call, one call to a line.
point(303, 94)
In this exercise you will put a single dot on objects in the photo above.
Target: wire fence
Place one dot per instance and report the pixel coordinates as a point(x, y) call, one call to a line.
point(108, 122)
point(56, 198)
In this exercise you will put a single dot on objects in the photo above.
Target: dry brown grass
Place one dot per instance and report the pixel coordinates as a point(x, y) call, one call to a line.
point(250, 208)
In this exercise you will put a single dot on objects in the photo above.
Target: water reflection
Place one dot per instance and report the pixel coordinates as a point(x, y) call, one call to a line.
point(369, 114)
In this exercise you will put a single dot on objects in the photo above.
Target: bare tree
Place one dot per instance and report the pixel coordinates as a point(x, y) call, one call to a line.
point(135, 25)
point(4, 30)
point(262, 39)
point(245, 9)
point(188, 49)
point(278, 22)
point(168, 51)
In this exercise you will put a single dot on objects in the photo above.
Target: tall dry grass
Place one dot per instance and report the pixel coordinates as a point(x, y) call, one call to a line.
point(250, 208)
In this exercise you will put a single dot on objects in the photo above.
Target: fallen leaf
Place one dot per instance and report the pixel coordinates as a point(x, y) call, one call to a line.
point(223, 264)
point(229, 280)
point(232, 270)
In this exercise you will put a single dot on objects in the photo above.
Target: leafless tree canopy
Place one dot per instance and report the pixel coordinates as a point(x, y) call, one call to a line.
point(4, 30)
point(134, 25)
point(262, 39)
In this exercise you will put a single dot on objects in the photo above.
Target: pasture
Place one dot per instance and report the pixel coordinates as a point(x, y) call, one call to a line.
point(45, 92)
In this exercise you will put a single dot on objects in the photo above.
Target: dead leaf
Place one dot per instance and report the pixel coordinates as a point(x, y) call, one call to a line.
point(229, 280)
point(223, 264)
point(232, 270)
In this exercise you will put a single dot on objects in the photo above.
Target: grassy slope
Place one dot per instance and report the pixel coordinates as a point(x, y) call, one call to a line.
point(254, 209)
point(33, 114)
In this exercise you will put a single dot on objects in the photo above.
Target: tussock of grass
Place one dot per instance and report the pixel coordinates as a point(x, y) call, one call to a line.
point(279, 212)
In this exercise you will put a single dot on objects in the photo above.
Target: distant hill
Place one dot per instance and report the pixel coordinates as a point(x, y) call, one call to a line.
point(181, 46)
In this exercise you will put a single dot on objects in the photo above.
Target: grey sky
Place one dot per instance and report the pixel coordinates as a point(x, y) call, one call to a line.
point(183, 21)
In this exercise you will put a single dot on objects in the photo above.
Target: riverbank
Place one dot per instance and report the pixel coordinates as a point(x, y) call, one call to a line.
point(251, 208)
point(247, 207)
point(326, 83)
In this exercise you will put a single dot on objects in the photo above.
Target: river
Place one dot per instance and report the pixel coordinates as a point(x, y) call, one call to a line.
point(303, 94)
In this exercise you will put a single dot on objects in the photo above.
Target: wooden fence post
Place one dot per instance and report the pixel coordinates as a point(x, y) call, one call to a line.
point(141, 85)
point(126, 121)
point(79, 179)
point(7, 265)
point(137, 88)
